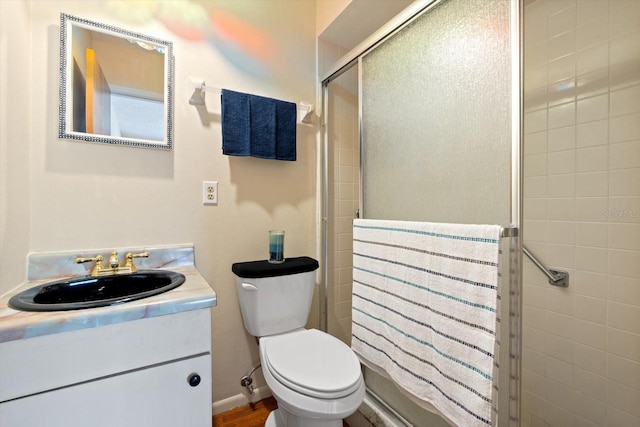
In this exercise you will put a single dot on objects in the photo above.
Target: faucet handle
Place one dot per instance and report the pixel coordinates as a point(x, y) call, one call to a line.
point(80, 260)
point(128, 260)
point(98, 263)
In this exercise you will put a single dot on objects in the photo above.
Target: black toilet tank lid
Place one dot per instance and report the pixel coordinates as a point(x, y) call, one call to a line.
point(258, 269)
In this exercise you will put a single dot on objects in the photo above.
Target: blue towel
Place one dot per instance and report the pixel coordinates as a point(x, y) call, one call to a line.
point(262, 122)
point(286, 120)
point(235, 124)
point(258, 126)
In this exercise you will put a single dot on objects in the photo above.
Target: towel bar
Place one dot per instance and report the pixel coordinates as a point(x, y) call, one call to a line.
point(305, 109)
point(556, 277)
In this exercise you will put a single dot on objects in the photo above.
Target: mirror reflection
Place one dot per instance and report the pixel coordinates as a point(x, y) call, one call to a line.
point(115, 85)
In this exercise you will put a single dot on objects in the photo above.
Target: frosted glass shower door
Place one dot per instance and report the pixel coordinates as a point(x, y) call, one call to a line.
point(436, 103)
point(436, 142)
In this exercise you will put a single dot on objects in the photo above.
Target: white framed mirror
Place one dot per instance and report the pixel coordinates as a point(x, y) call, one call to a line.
point(116, 86)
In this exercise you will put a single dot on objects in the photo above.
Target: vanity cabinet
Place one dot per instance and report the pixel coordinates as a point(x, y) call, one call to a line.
point(148, 372)
point(158, 396)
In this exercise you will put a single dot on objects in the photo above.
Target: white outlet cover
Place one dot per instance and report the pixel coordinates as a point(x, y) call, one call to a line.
point(209, 192)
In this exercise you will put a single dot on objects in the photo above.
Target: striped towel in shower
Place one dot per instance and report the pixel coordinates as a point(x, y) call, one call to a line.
point(425, 298)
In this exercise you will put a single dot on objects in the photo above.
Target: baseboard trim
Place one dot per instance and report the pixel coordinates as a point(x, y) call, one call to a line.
point(240, 400)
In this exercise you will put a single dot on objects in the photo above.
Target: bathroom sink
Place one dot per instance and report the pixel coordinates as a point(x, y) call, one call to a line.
point(89, 292)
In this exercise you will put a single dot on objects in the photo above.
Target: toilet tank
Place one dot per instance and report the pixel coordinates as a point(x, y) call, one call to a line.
point(275, 298)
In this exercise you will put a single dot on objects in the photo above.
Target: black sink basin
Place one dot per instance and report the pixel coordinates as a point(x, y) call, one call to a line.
point(88, 292)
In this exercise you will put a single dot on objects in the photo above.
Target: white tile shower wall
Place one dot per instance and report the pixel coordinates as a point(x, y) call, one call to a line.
point(344, 195)
point(581, 355)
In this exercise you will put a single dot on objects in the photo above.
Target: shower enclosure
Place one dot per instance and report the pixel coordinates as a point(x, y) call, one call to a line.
point(424, 123)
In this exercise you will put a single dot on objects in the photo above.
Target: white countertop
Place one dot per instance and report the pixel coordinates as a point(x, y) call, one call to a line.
point(195, 293)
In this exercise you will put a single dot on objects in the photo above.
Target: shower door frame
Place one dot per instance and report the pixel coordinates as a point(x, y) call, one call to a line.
point(354, 58)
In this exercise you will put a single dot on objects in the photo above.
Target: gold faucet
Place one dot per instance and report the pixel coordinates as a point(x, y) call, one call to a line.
point(113, 266)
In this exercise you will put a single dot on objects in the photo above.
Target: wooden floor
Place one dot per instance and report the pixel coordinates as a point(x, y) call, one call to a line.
point(245, 416)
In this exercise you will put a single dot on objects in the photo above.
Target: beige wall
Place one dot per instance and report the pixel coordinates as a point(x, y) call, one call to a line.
point(15, 147)
point(61, 195)
point(581, 356)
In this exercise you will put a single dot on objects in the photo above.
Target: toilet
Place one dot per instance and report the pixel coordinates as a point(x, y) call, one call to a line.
point(315, 377)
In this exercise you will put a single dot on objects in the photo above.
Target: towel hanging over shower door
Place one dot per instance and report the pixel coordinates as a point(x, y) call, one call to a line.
point(425, 298)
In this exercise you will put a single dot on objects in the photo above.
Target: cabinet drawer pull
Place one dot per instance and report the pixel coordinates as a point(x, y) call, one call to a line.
point(194, 380)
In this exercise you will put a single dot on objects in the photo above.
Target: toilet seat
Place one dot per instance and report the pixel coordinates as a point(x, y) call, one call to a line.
point(313, 363)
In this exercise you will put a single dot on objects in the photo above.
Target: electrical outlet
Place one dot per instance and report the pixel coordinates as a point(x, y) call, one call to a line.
point(209, 193)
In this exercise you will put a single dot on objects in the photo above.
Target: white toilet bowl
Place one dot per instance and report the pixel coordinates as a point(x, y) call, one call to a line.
point(315, 378)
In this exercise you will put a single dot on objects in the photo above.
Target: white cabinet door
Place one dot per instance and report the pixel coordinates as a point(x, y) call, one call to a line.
point(158, 396)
